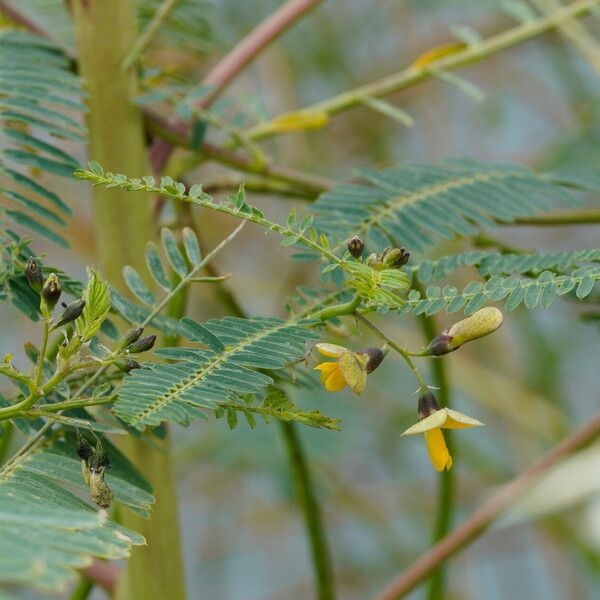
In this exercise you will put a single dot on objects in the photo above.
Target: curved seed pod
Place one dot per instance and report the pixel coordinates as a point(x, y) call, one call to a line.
point(101, 494)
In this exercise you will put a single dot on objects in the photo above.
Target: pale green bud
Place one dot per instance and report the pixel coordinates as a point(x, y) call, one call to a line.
point(479, 324)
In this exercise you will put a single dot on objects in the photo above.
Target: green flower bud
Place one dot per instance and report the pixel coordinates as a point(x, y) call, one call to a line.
point(395, 257)
point(479, 324)
point(142, 344)
point(51, 292)
point(33, 273)
point(71, 312)
point(130, 336)
point(356, 246)
point(127, 364)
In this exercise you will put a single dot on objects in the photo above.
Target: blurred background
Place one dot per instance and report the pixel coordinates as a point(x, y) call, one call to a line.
point(531, 383)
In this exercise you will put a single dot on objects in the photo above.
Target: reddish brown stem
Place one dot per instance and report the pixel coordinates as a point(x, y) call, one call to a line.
point(421, 568)
point(233, 63)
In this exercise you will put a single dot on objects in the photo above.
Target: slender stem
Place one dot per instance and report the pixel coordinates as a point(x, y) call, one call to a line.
point(405, 355)
point(39, 372)
point(584, 217)
point(5, 440)
point(489, 511)
point(82, 589)
point(312, 514)
point(416, 74)
point(145, 38)
point(446, 500)
point(11, 373)
point(68, 404)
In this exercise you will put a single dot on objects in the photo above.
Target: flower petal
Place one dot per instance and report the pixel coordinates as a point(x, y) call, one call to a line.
point(438, 451)
point(331, 350)
point(326, 369)
point(457, 420)
point(335, 382)
point(354, 370)
point(433, 421)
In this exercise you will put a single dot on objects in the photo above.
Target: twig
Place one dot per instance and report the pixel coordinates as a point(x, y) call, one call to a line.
point(416, 74)
point(234, 62)
point(145, 38)
point(487, 513)
point(312, 514)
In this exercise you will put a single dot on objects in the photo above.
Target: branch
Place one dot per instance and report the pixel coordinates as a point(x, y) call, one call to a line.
point(415, 74)
point(234, 62)
point(486, 515)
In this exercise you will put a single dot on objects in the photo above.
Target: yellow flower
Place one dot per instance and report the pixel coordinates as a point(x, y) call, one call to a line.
point(351, 368)
point(432, 419)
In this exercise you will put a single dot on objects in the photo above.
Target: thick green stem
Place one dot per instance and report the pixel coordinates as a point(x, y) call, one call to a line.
point(39, 371)
point(312, 514)
point(105, 32)
point(337, 310)
point(82, 589)
point(445, 501)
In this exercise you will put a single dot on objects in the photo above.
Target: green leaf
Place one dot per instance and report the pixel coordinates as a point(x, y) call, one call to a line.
point(173, 254)
point(192, 247)
point(136, 284)
point(97, 305)
point(155, 266)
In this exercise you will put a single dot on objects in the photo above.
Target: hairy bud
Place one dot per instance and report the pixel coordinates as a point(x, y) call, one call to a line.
point(33, 273)
point(127, 364)
point(71, 312)
point(479, 324)
point(142, 344)
point(130, 336)
point(356, 246)
point(51, 292)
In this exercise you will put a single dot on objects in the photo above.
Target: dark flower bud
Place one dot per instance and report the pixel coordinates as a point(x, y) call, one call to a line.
point(83, 448)
point(51, 292)
point(428, 404)
point(130, 336)
point(374, 357)
point(33, 273)
point(127, 364)
point(71, 312)
point(356, 246)
point(142, 344)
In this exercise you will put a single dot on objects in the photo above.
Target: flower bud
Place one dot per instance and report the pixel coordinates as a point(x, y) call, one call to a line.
point(395, 257)
point(374, 357)
point(130, 336)
point(83, 448)
point(51, 292)
point(71, 312)
point(99, 491)
point(127, 364)
point(373, 260)
point(356, 246)
point(142, 344)
point(33, 273)
point(428, 404)
point(479, 324)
